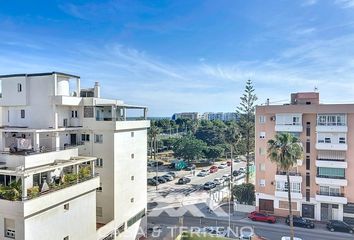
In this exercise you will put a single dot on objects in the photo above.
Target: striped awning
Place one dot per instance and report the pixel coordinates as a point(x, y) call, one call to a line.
point(328, 154)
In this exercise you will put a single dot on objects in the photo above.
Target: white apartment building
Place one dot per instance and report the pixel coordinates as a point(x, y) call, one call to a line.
point(72, 164)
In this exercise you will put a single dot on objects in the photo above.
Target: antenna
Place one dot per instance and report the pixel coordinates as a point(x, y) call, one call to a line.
point(315, 89)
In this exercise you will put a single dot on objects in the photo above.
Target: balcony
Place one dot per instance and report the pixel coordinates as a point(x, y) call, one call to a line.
point(332, 128)
point(332, 146)
point(294, 176)
point(328, 197)
point(329, 163)
point(288, 128)
point(331, 180)
point(284, 194)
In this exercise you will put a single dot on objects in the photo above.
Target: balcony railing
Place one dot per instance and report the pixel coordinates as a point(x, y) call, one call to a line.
point(332, 177)
point(332, 194)
point(110, 119)
point(327, 159)
point(290, 173)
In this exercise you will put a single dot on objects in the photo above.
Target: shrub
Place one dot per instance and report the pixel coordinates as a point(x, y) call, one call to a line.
point(85, 172)
point(33, 192)
point(70, 178)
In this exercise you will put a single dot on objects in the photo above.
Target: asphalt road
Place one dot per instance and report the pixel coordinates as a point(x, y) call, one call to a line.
point(269, 231)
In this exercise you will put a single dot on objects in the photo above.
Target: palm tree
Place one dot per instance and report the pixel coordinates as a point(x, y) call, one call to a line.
point(284, 151)
point(153, 133)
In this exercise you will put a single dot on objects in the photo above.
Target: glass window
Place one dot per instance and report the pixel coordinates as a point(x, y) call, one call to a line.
point(19, 87)
point(23, 113)
point(262, 119)
point(98, 138)
point(331, 172)
point(341, 140)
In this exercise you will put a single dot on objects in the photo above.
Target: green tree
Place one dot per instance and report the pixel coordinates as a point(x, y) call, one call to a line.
point(246, 110)
point(284, 151)
point(168, 142)
point(189, 148)
point(244, 193)
point(213, 152)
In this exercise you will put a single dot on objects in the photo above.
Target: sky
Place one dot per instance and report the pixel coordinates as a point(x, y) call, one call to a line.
point(186, 55)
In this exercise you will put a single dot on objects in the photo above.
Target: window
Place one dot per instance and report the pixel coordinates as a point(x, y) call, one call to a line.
point(308, 145)
point(99, 162)
point(88, 112)
point(262, 119)
point(74, 114)
point(99, 211)
point(342, 140)
point(283, 186)
point(262, 182)
point(98, 138)
point(132, 134)
point(22, 113)
point(327, 140)
point(336, 173)
point(132, 200)
point(132, 178)
point(85, 137)
point(296, 120)
point(262, 135)
point(307, 179)
point(19, 87)
point(307, 162)
point(308, 129)
point(132, 156)
point(262, 167)
point(66, 206)
point(331, 120)
point(307, 195)
point(262, 151)
point(66, 238)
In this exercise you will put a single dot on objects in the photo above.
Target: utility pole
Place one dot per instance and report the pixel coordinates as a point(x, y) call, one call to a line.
point(230, 191)
point(157, 165)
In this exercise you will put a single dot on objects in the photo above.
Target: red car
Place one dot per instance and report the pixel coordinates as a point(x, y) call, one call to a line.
point(262, 217)
point(213, 169)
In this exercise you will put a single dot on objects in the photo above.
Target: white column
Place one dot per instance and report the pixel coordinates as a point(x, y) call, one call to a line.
point(78, 87)
point(36, 141)
point(57, 141)
point(55, 84)
point(340, 212)
point(23, 187)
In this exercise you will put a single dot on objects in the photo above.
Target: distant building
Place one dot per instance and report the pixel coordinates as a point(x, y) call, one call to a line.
point(186, 115)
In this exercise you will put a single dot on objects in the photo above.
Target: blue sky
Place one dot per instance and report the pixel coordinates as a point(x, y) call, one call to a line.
point(186, 55)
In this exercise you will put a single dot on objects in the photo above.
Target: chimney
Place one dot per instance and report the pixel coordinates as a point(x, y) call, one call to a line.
point(97, 90)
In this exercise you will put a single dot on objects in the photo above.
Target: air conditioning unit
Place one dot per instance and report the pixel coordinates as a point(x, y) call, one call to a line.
point(272, 118)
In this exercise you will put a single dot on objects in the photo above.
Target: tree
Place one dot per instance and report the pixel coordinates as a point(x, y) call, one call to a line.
point(246, 110)
point(168, 142)
point(189, 148)
point(153, 133)
point(284, 151)
point(213, 152)
point(244, 193)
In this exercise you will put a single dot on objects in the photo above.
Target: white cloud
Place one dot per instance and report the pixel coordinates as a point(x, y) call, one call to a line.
point(309, 2)
point(345, 3)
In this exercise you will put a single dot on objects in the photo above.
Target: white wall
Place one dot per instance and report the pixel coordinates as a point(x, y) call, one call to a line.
point(79, 222)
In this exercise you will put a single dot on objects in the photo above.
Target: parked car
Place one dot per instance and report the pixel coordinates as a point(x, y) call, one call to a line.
point(156, 163)
point(237, 160)
point(209, 185)
point(339, 226)
point(226, 177)
point(203, 173)
point(288, 238)
point(190, 167)
point(235, 173)
point(213, 169)
point(218, 181)
point(222, 166)
point(242, 170)
point(152, 182)
point(300, 222)
point(168, 177)
point(173, 174)
point(160, 179)
point(261, 217)
point(183, 180)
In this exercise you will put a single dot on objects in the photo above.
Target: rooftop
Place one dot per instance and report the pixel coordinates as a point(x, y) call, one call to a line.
point(38, 74)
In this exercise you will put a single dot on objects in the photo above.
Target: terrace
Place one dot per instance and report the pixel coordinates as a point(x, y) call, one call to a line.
point(17, 184)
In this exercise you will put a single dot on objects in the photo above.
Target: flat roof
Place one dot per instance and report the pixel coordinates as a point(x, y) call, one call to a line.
point(38, 74)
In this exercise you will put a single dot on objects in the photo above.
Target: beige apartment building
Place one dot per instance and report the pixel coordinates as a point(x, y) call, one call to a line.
point(322, 183)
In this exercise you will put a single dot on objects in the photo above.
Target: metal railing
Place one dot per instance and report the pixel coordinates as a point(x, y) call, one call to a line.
point(327, 159)
point(332, 177)
point(290, 173)
point(332, 194)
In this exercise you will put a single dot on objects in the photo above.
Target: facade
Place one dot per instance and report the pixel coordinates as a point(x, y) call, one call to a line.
point(79, 161)
point(186, 115)
point(211, 116)
point(321, 182)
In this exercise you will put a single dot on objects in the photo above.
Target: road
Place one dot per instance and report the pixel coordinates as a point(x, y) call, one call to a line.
point(269, 231)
